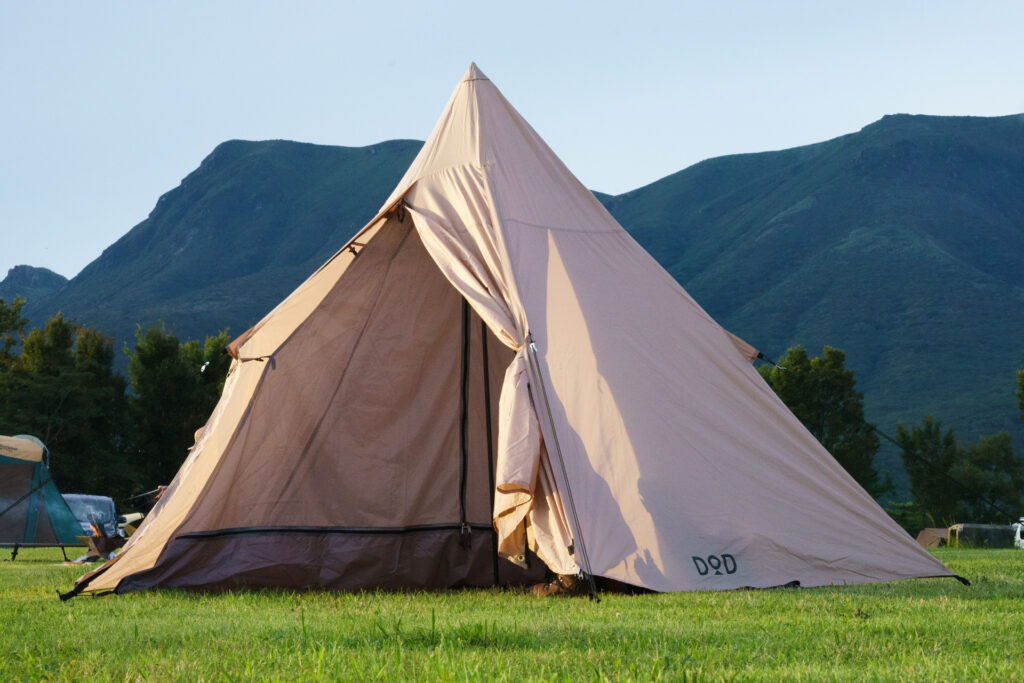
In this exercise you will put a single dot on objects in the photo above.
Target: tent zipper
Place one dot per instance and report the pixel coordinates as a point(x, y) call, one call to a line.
point(464, 533)
point(490, 445)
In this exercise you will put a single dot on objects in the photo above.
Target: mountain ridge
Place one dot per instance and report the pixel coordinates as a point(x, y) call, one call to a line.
point(230, 218)
point(901, 243)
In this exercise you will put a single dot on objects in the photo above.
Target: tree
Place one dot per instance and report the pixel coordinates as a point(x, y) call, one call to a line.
point(63, 389)
point(928, 457)
point(173, 392)
point(99, 436)
point(951, 483)
point(992, 480)
point(1020, 392)
point(12, 327)
point(822, 394)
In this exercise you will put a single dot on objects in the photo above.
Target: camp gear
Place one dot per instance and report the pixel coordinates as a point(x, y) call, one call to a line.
point(561, 584)
point(32, 512)
point(92, 512)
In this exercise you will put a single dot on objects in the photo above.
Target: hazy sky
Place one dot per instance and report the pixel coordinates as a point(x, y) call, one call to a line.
point(104, 106)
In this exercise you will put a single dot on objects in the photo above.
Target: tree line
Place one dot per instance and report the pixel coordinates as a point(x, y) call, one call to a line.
point(117, 436)
point(950, 481)
point(107, 434)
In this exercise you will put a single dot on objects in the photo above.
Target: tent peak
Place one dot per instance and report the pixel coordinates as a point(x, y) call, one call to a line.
point(473, 73)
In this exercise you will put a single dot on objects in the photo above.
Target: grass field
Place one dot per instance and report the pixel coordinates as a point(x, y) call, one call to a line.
point(930, 629)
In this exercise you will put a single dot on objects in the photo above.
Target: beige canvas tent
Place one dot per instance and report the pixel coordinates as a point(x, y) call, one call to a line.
point(494, 367)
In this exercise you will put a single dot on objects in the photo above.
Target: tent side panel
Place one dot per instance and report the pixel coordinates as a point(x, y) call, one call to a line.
point(428, 559)
point(15, 483)
point(31, 508)
point(356, 422)
point(275, 327)
point(211, 460)
point(498, 357)
point(43, 533)
point(687, 471)
point(146, 545)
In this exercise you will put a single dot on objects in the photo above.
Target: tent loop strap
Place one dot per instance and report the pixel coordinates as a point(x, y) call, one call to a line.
point(585, 568)
point(354, 247)
point(766, 359)
point(400, 211)
point(259, 359)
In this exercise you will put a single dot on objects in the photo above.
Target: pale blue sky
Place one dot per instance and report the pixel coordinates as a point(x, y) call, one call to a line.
point(106, 106)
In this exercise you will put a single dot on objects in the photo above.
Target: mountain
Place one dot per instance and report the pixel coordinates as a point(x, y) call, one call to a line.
point(902, 244)
point(30, 283)
point(239, 233)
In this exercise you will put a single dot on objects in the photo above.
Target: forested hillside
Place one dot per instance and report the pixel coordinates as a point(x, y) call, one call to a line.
point(238, 234)
point(902, 244)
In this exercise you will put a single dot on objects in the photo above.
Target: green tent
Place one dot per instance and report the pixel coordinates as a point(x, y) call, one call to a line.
point(32, 511)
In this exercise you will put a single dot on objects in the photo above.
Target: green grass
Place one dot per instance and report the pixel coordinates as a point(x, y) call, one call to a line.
point(932, 629)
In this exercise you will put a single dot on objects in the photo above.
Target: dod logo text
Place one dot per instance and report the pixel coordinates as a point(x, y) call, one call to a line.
point(715, 564)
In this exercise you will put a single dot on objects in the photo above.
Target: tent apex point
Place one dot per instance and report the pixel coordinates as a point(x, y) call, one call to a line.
point(473, 73)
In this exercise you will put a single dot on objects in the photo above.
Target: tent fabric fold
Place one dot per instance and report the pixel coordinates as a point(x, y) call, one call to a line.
point(362, 451)
point(453, 213)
